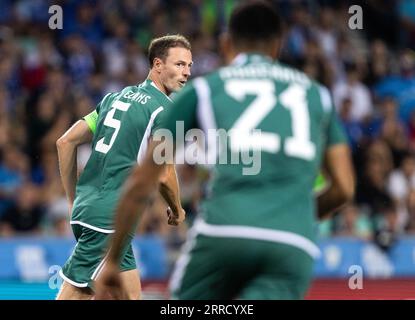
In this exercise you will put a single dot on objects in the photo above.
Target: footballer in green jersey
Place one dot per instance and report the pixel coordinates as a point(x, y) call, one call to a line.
point(255, 237)
point(120, 128)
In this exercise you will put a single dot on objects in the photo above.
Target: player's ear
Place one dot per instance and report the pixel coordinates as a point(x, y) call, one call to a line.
point(226, 47)
point(157, 64)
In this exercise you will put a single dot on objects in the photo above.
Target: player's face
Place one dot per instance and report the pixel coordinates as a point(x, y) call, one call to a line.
point(175, 70)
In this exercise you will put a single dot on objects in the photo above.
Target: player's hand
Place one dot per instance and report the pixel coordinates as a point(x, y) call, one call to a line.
point(108, 283)
point(175, 218)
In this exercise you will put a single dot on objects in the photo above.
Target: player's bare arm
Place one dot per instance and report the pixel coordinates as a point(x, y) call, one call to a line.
point(67, 145)
point(169, 189)
point(338, 165)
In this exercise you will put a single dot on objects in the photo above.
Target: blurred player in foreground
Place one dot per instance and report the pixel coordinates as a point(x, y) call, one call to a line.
point(120, 129)
point(256, 236)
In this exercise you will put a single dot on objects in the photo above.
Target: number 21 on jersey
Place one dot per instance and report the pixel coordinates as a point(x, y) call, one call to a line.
point(243, 135)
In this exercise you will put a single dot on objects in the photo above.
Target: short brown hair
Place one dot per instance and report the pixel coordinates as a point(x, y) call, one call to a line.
point(159, 47)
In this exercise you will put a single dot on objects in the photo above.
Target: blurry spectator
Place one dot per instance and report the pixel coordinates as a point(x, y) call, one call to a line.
point(29, 10)
point(55, 206)
point(160, 23)
point(298, 35)
point(204, 55)
point(389, 127)
point(387, 110)
point(25, 215)
point(45, 127)
point(381, 20)
point(95, 87)
point(410, 227)
point(378, 151)
point(213, 14)
point(49, 53)
point(139, 17)
point(137, 61)
point(9, 69)
point(114, 49)
point(350, 222)
point(379, 63)
point(58, 86)
point(153, 222)
point(393, 133)
point(4, 131)
point(352, 127)
point(386, 226)
point(184, 22)
point(327, 34)
point(80, 61)
point(5, 118)
point(57, 210)
point(411, 131)
point(407, 18)
point(82, 18)
point(325, 228)
point(6, 11)
point(59, 221)
point(359, 94)
point(123, 56)
point(13, 173)
point(38, 54)
point(401, 182)
point(401, 86)
point(315, 65)
point(349, 54)
point(371, 189)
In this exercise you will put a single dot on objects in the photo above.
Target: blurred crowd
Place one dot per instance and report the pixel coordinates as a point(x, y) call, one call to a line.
point(51, 78)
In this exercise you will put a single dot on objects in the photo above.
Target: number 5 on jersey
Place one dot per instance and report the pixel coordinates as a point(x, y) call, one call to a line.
point(112, 123)
point(244, 137)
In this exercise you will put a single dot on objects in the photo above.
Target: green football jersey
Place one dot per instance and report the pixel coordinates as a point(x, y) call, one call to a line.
point(282, 114)
point(124, 121)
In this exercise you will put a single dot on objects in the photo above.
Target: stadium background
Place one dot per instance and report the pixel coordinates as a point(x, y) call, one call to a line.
point(51, 78)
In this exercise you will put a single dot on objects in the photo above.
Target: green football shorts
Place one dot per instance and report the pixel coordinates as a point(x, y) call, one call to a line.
point(212, 268)
point(88, 257)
